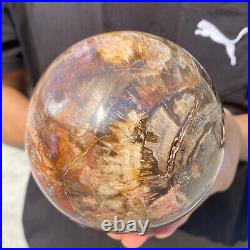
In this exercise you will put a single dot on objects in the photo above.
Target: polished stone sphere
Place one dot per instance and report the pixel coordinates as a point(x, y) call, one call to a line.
point(125, 124)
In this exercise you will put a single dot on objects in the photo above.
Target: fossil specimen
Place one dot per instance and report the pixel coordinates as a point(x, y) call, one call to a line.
point(125, 124)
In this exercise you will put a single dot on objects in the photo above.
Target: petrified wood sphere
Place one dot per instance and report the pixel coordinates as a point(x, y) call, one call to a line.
point(125, 124)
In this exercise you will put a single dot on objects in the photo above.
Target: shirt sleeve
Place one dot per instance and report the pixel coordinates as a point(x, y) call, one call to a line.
point(12, 58)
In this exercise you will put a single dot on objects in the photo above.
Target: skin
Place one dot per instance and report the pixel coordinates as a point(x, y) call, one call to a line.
point(15, 106)
point(14, 113)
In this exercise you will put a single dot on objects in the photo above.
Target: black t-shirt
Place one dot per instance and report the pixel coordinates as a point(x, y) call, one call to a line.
point(35, 33)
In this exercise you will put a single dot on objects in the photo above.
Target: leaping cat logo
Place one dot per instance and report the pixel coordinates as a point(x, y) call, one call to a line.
point(207, 29)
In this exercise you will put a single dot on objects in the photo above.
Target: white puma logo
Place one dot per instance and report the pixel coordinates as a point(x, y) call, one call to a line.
point(207, 29)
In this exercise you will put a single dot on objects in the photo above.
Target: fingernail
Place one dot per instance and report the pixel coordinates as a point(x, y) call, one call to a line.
point(162, 236)
point(115, 236)
point(135, 241)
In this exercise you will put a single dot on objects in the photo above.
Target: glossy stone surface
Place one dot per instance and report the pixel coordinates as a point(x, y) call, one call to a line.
point(125, 124)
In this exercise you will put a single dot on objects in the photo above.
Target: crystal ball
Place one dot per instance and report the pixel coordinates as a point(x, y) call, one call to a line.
point(126, 125)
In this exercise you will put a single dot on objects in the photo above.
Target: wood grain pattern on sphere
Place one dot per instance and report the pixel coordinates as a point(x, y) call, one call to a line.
point(125, 124)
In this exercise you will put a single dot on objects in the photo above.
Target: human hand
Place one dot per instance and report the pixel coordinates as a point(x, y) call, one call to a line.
point(223, 181)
